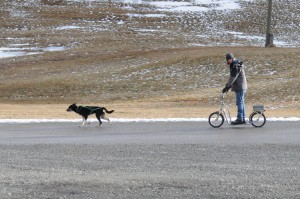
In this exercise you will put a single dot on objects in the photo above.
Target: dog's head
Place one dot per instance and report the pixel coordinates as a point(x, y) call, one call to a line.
point(72, 107)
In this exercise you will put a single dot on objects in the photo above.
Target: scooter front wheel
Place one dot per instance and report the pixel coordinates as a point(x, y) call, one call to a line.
point(257, 119)
point(216, 119)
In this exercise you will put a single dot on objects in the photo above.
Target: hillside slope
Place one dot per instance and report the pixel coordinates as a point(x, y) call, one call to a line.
point(119, 52)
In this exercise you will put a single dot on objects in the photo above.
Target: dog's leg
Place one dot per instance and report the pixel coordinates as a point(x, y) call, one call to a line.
point(84, 119)
point(83, 122)
point(99, 119)
point(105, 118)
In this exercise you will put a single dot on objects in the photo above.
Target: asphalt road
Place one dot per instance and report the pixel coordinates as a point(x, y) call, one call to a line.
point(149, 133)
point(149, 160)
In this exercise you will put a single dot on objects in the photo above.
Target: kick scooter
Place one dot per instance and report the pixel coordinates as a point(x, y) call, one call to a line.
point(256, 118)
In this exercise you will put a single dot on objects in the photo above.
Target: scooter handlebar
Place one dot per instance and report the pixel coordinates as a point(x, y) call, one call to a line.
point(223, 95)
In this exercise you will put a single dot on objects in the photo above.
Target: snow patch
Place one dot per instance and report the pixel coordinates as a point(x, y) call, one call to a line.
point(128, 120)
point(68, 27)
point(16, 50)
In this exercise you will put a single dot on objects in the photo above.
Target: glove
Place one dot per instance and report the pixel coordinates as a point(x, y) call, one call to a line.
point(226, 89)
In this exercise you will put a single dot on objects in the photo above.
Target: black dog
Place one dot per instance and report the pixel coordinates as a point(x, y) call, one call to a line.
point(85, 111)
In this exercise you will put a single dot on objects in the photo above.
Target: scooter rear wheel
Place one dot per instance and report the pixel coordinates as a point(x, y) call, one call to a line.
point(257, 119)
point(216, 119)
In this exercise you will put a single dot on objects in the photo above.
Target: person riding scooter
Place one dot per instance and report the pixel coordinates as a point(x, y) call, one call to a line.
point(238, 83)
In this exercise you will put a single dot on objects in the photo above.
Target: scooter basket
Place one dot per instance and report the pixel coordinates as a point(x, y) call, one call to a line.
point(258, 108)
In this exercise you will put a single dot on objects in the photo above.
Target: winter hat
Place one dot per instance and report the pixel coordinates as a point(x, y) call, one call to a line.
point(229, 56)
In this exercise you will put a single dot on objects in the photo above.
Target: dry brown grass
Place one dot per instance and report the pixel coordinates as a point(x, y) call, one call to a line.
point(129, 74)
point(134, 109)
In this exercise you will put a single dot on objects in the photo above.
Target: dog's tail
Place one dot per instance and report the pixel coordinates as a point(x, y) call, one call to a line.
point(109, 112)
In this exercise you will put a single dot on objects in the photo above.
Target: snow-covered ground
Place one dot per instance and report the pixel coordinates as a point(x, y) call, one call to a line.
point(191, 6)
point(182, 6)
point(186, 12)
point(112, 120)
point(16, 121)
point(22, 49)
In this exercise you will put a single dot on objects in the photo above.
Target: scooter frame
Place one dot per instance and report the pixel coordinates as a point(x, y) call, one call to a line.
point(256, 118)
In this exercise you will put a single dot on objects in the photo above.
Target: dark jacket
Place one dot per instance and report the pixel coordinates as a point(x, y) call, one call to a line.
point(237, 80)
